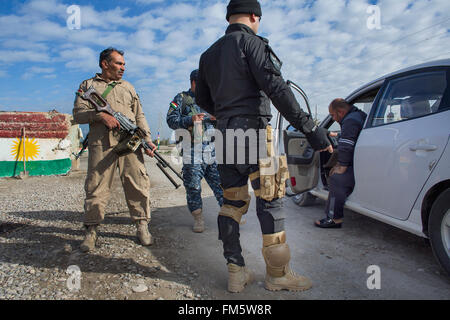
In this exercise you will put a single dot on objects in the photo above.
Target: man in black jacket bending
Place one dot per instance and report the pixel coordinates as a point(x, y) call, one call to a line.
point(238, 76)
point(342, 177)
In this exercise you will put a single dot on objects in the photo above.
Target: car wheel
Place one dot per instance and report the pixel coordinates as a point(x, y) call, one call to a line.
point(439, 229)
point(304, 199)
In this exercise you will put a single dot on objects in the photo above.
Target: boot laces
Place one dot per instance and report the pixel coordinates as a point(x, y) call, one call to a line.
point(292, 273)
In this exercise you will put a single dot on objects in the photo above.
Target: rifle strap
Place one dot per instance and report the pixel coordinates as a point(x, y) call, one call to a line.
point(108, 89)
point(104, 94)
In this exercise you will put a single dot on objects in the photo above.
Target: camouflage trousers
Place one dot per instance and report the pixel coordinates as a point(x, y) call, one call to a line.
point(193, 175)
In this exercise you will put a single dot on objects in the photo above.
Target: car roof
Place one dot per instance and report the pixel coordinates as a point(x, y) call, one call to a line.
point(435, 63)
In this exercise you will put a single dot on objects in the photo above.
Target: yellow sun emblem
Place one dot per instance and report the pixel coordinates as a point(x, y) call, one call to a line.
point(31, 149)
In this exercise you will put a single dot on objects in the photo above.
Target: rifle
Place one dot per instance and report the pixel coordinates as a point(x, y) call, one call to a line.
point(85, 145)
point(135, 134)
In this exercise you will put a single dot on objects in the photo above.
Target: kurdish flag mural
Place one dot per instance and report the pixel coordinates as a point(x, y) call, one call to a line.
point(50, 140)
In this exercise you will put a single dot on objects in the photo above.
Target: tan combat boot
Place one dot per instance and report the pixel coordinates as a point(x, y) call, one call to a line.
point(238, 277)
point(90, 239)
point(143, 234)
point(199, 224)
point(279, 275)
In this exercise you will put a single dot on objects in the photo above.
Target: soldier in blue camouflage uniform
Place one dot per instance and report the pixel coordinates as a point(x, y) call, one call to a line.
point(183, 113)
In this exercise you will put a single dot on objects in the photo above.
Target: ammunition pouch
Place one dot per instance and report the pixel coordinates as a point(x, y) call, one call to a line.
point(273, 172)
point(256, 183)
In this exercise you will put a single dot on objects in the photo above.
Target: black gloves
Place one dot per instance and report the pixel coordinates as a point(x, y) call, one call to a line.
point(318, 139)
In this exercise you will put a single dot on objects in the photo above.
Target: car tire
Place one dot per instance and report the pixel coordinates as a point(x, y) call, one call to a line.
point(304, 199)
point(439, 229)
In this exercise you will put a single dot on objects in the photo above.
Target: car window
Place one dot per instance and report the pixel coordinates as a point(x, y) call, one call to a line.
point(411, 97)
point(363, 102)
point(364, 106)
point(335, 127)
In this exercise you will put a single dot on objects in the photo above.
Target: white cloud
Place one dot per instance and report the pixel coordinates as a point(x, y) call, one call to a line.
point(43, 72)
point(142, 39)
point(11, 56)
point(325, 45)
point(107, 19)
point(43, 8)
point(180, 11)
point(80, 58)
point(24, 44)
point(336, 52)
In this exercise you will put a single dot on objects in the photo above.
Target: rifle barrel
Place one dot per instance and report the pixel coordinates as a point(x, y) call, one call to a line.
point(159, 165)
point(165, 164)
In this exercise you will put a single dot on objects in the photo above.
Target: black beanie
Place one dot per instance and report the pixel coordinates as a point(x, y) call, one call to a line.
point(194, 75)
point(243, 6)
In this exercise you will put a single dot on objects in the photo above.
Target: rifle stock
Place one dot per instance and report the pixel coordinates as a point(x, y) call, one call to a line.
point(84, 147)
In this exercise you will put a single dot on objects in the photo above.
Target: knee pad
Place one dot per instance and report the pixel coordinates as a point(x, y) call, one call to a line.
point(236, 202)
point(276, 253)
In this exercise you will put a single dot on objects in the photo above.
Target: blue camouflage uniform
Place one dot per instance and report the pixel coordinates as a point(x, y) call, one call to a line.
point(179, 116)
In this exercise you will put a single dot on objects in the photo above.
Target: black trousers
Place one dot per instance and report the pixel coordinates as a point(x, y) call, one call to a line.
point(340, 187)
point(270, 213)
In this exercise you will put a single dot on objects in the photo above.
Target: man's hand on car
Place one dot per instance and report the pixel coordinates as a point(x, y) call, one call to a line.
point(333, 134)
point(318, 139)
point(330, 147)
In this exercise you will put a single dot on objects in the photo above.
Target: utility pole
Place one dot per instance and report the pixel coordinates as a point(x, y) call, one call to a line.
point(315, 117)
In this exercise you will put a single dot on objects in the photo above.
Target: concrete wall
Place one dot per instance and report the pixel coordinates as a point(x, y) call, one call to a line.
point(50, 140)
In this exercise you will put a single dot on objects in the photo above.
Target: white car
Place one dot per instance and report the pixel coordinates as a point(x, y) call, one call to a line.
point(402, 156)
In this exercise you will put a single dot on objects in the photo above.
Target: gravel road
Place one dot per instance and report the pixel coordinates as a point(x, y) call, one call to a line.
point(41, 230)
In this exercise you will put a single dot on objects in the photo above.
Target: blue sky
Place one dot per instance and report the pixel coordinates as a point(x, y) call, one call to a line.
point(325, 45)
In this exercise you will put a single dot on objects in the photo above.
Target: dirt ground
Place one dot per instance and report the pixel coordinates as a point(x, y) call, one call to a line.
point(41, 230)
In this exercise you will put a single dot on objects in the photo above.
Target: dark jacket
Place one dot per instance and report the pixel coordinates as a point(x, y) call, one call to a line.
point(238, 75)
point(351, 126)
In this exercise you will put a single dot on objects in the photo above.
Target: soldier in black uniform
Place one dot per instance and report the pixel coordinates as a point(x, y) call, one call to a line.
point(238, 76)
point(342, 177)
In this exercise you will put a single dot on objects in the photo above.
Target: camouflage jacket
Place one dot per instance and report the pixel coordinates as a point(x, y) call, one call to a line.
point(181, 110)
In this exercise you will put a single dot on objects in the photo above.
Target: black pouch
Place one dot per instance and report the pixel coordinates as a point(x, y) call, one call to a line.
point(273, 63)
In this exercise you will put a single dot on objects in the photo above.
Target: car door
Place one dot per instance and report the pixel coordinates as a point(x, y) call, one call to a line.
point(404, 137)
point(303, 162)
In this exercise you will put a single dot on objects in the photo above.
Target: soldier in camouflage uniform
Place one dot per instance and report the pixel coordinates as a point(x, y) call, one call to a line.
point(183, 113)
